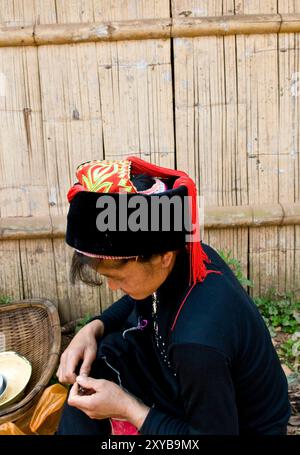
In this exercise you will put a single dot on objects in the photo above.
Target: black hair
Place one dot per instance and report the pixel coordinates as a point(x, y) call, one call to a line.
point(84, 268)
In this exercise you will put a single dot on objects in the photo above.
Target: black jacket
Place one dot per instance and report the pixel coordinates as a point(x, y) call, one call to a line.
point(216, 372)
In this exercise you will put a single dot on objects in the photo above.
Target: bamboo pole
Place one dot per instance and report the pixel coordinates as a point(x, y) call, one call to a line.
point(38, 35)
point(164, 28)
point(250, 24)
point(226, 25)
point(16, 228)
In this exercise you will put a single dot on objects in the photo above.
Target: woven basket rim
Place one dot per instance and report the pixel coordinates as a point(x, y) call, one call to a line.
point(15, 411)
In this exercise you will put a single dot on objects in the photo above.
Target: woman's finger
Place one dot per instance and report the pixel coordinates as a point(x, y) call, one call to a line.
point(89, 357)
point(67, 369)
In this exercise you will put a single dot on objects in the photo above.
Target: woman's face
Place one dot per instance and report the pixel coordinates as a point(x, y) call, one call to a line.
point(135, 278)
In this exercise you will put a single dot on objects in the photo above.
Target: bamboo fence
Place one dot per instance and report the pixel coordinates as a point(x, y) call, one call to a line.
point(211, 87)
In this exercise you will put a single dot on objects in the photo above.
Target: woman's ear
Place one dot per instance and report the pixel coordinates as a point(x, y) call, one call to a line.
point(168, 259)
point(164, 260)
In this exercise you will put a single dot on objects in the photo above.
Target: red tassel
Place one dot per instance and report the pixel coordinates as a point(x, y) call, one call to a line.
point(197, 256)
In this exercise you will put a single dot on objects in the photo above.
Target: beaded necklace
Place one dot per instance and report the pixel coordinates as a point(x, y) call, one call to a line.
point(161, 345)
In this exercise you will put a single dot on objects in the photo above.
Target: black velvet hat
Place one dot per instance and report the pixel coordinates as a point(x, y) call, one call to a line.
point(109, 218)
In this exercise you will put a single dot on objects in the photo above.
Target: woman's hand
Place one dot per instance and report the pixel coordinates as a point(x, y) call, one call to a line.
point(82, 347)
point(105, 399)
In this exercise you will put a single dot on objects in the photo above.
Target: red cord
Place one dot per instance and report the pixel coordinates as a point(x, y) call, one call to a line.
point(182, 303)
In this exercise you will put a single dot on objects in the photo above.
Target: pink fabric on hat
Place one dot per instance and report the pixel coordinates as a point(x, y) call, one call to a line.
point(157, 187)
point(102, 256)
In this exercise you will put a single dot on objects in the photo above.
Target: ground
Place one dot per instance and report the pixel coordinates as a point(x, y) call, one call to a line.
point(294, 394)
point(294, 387)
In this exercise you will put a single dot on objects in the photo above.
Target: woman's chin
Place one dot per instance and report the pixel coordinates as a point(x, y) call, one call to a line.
point(138, 296)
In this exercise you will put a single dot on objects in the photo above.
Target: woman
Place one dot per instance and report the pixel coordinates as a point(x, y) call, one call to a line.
point(185, 351)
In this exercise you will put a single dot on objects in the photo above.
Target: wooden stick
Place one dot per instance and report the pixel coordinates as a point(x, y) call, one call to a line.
point(38, 35)
point(15, 228)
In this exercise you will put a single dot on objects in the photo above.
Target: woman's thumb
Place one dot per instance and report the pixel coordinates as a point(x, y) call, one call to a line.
point(85, 369)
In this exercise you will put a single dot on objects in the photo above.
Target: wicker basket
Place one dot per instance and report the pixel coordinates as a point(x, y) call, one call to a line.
point(31, 328)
